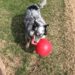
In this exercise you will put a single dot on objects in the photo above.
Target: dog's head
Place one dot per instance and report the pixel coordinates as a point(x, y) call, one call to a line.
point(40, 30)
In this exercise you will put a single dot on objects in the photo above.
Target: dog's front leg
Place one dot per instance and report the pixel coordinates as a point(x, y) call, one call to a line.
point(27, 44)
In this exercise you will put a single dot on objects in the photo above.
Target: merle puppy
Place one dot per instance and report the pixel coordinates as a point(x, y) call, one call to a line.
point(34, 22)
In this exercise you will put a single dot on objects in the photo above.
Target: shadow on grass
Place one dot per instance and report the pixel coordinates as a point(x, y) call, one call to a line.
point(18, 31)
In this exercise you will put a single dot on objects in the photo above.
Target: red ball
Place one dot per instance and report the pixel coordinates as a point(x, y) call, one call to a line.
point(44, 47)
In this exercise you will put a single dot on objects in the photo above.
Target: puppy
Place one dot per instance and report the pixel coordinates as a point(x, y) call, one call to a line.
point(35, 25)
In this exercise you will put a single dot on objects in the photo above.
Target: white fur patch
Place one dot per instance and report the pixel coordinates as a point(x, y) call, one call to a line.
point(41, 30)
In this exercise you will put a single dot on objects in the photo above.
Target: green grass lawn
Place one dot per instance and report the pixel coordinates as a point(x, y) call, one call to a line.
point(18, 61)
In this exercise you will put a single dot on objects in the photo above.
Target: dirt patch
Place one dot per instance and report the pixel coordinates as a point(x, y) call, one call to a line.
point(70, 23)
point(2, 68)
point(10, 64)
point(72, 16)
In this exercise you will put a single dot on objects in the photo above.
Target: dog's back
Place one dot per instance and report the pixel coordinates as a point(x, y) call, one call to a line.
point(33, 14)
point(29, 18)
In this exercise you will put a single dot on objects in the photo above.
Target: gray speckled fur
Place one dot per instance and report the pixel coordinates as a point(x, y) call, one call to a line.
point(33, 15)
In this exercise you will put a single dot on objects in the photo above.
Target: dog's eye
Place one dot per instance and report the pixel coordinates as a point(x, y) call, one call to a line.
point(34, 27)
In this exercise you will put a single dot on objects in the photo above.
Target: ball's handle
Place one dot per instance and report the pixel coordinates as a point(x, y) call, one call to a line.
point(33, 41)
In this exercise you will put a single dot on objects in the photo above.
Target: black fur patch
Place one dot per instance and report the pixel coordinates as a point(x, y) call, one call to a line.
point(33, 7)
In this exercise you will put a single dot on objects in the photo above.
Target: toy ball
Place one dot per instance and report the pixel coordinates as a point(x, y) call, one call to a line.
point(43, 47)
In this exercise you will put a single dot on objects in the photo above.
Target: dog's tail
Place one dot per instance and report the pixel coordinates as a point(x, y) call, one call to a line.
point(42, 3)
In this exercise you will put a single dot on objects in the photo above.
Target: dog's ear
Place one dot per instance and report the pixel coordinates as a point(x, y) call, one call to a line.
point(46, 25)
point(46, 29)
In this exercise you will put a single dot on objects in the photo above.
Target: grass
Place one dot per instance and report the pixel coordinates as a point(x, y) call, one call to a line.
point(22, 62)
